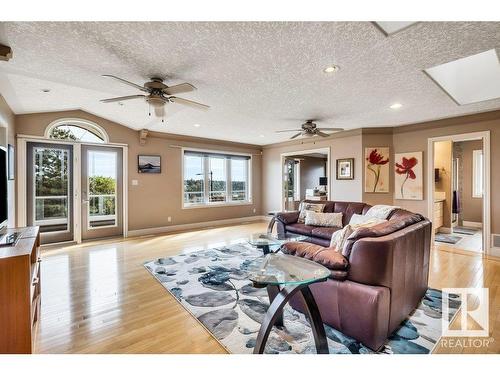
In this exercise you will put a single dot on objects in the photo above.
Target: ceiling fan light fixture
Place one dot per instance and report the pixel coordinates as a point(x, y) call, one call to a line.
point(331, 69)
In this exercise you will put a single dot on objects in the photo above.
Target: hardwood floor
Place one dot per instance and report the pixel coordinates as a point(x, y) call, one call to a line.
point(98, 298)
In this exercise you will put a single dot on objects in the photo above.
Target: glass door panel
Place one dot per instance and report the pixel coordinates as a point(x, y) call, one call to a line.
point(101, 192)
point(50, 187)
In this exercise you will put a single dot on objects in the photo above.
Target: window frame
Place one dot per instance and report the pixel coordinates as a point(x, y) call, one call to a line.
point(90, 126)
point(229, 187)
point(477, 167)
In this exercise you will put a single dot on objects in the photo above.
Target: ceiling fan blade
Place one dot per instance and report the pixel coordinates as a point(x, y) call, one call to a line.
point(178, 89)
point(142, 88)
point(331, 129)
point(188, 103)
point(160, 111)
point(296, 135)
point(120, 98)
point(290, 130)
point(321, 134)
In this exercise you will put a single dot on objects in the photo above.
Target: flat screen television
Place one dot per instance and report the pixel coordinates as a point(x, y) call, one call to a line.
point(3, 189)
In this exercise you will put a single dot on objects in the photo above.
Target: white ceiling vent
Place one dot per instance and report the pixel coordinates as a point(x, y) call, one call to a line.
point(471, 79)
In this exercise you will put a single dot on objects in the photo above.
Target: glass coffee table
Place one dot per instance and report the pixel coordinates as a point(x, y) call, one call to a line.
point(264, 241)
point(284, 276)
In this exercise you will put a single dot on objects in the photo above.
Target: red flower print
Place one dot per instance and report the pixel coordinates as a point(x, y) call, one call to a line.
point(376, 158)
point(406, 167)
point(375, 161)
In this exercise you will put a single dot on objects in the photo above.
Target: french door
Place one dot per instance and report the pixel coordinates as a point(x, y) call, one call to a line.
point(54, 204)
point(50, 190)
point(102, 189)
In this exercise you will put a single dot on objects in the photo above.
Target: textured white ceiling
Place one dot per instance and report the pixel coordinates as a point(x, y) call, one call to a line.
point(256, 76)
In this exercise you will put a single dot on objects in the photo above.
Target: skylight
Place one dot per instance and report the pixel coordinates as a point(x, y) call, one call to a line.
point(471, 79)
point(391, 27)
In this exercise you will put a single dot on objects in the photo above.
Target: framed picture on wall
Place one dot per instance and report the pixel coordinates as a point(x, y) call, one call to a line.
point(11, 162)
point(149, 164)
point(408, 176)
point(376, 169)
point(345, 169)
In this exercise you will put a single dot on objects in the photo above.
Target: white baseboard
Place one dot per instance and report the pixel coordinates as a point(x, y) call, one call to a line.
point(200, 225)
point(472, 224)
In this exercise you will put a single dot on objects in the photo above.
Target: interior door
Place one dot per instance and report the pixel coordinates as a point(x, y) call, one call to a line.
point(102, 189)
point(50, 190)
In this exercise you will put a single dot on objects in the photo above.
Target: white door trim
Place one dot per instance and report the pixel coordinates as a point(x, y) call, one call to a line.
point(22, 140)
point(303, 152)
point(485, 136)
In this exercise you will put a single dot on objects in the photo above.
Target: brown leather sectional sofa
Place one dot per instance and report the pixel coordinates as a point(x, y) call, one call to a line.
point(377, 280)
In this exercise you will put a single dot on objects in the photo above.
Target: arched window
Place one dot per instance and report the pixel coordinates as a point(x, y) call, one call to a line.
point(77, 130)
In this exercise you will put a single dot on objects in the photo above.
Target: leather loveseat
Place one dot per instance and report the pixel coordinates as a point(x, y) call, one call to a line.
point(377, 279)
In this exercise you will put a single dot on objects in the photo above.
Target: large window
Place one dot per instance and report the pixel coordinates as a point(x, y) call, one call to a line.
point(214, 178)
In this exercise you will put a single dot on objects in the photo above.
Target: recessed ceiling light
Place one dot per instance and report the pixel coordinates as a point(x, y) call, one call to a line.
point(196, 125)
point(471, 79)
point(331, 69)
point(45, 90)
point(262, 135)
point(396, 106)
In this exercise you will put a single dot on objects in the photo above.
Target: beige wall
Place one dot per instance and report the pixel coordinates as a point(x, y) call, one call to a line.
point(472, 208)
point(442, 160)
point(7, 136)
point(415, 138)
point(158, 196)
point(346, 145)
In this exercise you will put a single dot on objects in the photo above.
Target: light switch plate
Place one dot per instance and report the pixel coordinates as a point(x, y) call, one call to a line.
point(135, 182)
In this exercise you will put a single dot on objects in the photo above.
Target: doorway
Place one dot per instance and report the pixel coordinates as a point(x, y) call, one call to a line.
point(305, 177)
point(102, 189)
point(459, 189)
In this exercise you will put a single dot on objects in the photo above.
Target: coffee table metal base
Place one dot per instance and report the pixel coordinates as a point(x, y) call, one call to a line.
point(278, 298)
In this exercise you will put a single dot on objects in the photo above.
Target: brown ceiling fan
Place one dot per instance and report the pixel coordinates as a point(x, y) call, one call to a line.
point(309, 129)
point(158, 94)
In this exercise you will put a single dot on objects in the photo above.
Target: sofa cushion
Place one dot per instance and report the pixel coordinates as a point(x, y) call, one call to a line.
point(300, 228)
point(348, 209)
point(324, 232)
point(326, 256)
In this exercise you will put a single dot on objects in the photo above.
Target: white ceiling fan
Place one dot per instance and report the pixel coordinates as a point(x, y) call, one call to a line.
point(158, 94)
point(309, 129)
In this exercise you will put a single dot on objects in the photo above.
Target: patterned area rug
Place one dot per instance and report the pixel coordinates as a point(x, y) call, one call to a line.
point(213, 286)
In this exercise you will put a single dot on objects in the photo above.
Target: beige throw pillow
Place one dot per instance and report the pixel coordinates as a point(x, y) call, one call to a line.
point(304, 206)
point(324, 219)
point(340, 236)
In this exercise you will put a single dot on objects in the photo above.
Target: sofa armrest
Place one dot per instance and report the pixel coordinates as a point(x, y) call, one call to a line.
point(382, 260)
point(287, 217)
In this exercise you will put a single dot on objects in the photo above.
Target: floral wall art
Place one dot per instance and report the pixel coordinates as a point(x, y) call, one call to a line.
point(408, 176)
point(377, 170)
